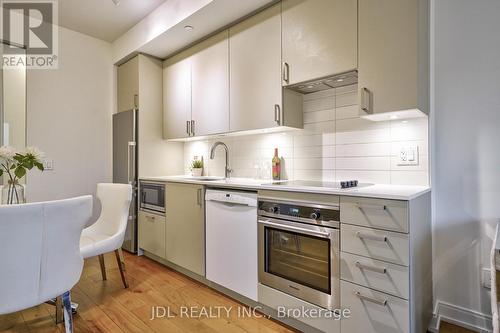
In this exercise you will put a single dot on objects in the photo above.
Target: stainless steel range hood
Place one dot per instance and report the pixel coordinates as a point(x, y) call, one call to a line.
point(324, 83)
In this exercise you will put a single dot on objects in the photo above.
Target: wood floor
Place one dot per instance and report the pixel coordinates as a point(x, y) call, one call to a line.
point(105, 306)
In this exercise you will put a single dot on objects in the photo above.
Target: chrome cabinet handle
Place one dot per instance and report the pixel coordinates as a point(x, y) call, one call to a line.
point(382, 302)
point(198, 197)
point(361, 206)
point(381, 270)
point(192, 127)
point(188, 127)
point(277, 114)
point(371, 237)
point(136, 101)
point(365, 100)
point(286, 72)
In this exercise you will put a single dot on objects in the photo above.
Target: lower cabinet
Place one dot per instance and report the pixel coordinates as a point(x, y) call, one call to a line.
point(152, 233)
point(372, 311)
point(185, 226)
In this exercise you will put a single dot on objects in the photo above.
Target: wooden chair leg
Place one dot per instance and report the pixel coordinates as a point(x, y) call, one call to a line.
point(103, 267)
point(59, 310)
point(121, 267)
point(122, 259)
point(68, 312)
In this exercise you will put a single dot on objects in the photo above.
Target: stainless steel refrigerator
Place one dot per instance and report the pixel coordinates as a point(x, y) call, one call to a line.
point(125, 167)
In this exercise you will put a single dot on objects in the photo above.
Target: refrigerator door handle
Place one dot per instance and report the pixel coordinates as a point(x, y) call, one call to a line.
point(131, 144)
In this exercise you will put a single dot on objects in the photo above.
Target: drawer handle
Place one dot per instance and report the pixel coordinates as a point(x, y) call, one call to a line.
point(381, 270)
point(372, 237)
point(382, 302)
point(381, 207)
point(150, 218)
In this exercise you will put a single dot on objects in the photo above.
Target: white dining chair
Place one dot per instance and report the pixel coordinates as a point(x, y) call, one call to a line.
point(40, 256)
point(108, 232)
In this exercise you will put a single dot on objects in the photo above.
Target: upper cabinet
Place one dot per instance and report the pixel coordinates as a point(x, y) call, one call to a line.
point(255, 71)
point(393, 57)
point(319, 38)
point(210, 86)
point(177, 97)
point(128, 85)
point(196, 90)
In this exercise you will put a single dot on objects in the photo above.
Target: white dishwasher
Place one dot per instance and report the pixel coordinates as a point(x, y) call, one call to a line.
point(231, 240)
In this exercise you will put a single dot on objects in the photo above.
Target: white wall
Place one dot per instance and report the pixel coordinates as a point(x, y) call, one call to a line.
point(466, 161)
point(335, 144)
point(69, 117)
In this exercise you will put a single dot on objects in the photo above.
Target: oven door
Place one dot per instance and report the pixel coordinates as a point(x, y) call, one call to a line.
point(152, 197)
point(301, 260)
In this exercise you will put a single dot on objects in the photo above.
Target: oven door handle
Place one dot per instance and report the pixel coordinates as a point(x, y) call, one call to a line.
point(295, 229)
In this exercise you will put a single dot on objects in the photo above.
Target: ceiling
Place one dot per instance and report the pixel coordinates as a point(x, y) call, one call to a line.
point(102, 18)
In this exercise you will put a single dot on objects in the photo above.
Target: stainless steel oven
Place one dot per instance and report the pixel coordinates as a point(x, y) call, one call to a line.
point(299, 250)
point(152, 197)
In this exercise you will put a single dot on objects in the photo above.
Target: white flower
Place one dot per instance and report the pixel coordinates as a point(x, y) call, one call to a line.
point(34, 152)
point(7, 153)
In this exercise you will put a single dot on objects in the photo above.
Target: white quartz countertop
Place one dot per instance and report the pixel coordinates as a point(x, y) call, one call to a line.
point(395, 192)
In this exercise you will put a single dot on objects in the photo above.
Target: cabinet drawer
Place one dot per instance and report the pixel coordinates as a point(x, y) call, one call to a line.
point(389, 278)
point(373, 311)
point(377, 244)
point(375, 213)
point(152, 233)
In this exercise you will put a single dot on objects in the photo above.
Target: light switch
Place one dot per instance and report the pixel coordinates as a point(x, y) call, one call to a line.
point(48, 164)
point(408, 155)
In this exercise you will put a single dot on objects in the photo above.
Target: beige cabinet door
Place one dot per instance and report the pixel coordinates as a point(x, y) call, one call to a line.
point(388, 55)
point(177, 97)
point(210, 85)
point(128, 85)
point(151, 233)
point(255, 71)
point(185, 228)
point(319, 38)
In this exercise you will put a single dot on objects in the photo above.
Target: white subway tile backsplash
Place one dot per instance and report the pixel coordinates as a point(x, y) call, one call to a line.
point(363, 163)
point(363, 149)
point(335, 144)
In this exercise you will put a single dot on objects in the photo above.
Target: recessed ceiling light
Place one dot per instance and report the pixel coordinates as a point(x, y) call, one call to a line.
point(188, 27)
point(393, 116)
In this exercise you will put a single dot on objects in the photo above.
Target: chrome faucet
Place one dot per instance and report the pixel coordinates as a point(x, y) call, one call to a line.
point(212, 155)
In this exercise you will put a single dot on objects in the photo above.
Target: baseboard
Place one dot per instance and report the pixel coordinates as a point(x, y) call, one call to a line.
point(472, 320)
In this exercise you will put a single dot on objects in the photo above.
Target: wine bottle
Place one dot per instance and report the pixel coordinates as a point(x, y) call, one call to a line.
point(276, 165)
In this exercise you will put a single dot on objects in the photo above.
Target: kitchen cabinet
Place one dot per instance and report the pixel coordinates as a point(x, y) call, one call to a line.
point(177, 97)
point(393, 56)
point(386, 251)
point(185, 226)
point(128, 85)
point(319, 38)
point(152, 233)
point(210, 86)
point(255, 71)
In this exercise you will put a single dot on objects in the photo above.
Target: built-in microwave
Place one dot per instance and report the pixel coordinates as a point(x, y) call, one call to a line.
point(152, 197)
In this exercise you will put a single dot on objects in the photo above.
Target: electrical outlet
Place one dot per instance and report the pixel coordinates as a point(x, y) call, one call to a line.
point(48, 164)
point(486, 278)
point(408, 155)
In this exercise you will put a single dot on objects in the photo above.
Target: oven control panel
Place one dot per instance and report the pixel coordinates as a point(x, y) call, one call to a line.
point(300, 211)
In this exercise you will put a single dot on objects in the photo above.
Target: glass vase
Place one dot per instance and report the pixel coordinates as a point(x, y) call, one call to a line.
point(13, 193)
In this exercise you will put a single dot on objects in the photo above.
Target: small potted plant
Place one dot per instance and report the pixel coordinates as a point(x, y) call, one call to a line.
point(197, 168)
point(15, 165)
